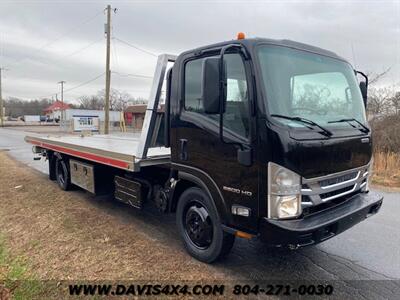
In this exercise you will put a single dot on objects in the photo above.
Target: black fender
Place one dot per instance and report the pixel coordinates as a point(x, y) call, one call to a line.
point(52, 164)
point(58, 155)
point(52, 157)
point(204, 181)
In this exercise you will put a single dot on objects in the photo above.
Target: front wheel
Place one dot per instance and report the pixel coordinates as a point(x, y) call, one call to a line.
point(200, 227)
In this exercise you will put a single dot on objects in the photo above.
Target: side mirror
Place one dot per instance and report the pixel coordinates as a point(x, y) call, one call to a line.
point(210, 86)
point(364, 92)
point(364, 87)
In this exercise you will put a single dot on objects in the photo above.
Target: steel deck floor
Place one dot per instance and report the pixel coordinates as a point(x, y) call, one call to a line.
point(120, 147)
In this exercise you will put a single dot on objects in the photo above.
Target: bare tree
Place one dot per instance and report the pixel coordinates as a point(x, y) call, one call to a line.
point(379, 101)
point(91, 102)
point(378, 98)
point(395, 101)
point(373, 78)
point(139, 100)
point(119, 101)
point(16, 107)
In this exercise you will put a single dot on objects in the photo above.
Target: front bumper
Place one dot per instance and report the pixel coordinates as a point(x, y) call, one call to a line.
point(320, 226)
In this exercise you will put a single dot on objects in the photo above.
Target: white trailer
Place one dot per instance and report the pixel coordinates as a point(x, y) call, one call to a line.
point(31, 118)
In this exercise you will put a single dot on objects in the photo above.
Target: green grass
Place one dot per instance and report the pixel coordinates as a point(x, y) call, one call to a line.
point(14, 276)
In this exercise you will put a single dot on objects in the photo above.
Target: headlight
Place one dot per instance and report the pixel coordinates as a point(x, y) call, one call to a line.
point(284, 192)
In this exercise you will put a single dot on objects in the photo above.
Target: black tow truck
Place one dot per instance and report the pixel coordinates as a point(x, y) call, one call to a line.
point(260, 138)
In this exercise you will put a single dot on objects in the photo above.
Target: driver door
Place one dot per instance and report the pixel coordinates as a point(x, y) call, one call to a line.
point(199, 144)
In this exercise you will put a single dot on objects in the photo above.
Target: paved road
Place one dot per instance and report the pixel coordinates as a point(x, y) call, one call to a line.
point(370, 250)
point(13, 141)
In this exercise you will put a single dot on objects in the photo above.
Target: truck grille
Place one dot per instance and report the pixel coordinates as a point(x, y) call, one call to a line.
point(336, 192)
point(338, 180)
point(322, 192)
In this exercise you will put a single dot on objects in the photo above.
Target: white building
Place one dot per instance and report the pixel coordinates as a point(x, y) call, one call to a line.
point(90, 120)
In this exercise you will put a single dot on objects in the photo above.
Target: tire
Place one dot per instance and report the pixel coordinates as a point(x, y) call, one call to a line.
point(200, 227)
point(62, 174)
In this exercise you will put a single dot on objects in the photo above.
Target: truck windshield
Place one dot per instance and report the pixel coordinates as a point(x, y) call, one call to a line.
point(307, 85)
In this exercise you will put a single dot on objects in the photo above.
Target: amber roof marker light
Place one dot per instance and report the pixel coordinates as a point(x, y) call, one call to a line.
point(241, 36)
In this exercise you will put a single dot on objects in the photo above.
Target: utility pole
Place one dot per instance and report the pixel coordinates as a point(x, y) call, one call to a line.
point(62, 98)
point(108, 73)
point(1, 100)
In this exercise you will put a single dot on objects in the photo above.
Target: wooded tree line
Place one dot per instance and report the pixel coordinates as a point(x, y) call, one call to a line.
point(383, 111)
point(15, 107)
point(384, 101)
point(384, 118)
point(119, 101)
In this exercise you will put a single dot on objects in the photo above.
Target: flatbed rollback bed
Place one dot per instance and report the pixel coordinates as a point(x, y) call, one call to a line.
point(112, 150)
point(101, 164)
point(128, 152)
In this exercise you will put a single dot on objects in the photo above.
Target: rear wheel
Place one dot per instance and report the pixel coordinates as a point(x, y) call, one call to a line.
point(200, 227)
point(62, 174)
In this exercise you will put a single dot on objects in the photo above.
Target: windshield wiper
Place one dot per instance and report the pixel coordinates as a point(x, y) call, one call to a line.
point(364, 128)
point(325, 131)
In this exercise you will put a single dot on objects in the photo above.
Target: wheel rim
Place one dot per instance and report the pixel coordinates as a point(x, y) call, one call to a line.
point(198, 225)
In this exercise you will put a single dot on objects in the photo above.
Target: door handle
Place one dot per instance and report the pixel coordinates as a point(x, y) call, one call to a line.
point(183, 149)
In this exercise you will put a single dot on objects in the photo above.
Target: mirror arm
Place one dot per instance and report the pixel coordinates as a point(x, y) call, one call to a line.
point(365, 77)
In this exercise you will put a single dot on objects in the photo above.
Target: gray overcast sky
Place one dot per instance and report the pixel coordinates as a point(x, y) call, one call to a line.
point(43, 42)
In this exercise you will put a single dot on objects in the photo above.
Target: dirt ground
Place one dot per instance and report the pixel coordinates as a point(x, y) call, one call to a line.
point(74, 236)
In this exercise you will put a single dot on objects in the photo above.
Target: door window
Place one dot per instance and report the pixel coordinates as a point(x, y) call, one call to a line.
point(236, 117)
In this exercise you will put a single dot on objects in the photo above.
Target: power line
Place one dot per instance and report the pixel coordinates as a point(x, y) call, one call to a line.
point(84, 83)
point(113, 43)
point(354, 56)
point(74, 87)
point(135, 47)
point(47, 96)
point(81, 49)
point(132, 75)
point(58, 60)
point(59, 37)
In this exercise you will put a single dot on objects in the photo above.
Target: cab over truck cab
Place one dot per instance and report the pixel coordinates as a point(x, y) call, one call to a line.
point(274, 136)
point(268, 139)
